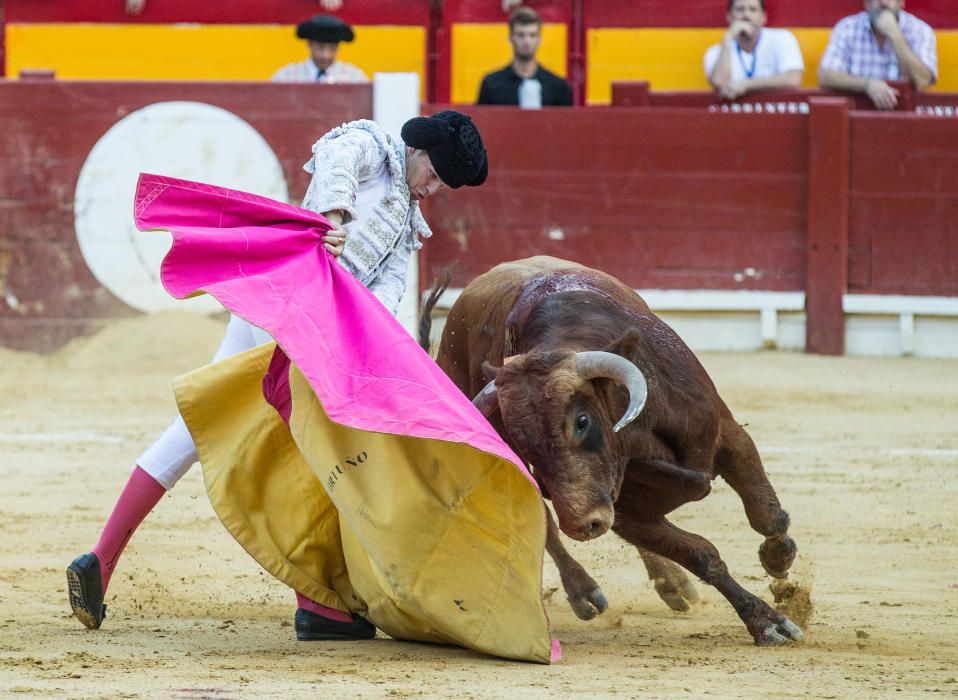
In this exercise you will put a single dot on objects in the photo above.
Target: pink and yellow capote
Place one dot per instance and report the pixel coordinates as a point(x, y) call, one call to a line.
point(388, 494)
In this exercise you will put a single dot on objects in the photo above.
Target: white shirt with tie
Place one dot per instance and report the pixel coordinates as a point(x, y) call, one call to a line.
point(307, 72)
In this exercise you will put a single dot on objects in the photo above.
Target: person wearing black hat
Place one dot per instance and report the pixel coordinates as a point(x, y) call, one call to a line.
point(369, 185)
point(324, 33)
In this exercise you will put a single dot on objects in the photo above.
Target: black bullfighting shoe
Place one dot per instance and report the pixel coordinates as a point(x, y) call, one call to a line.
point(311, 627)
point(86, 590)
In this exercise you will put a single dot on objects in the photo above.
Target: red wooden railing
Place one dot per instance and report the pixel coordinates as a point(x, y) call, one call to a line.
point(639, 93)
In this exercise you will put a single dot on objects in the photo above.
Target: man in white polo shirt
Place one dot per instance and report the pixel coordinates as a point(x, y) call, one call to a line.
point(750, 57)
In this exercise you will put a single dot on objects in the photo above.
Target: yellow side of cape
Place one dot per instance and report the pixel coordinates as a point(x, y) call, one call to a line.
point(429, 540)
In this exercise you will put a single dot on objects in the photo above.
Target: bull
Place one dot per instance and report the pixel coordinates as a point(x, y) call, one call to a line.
point(620, 423)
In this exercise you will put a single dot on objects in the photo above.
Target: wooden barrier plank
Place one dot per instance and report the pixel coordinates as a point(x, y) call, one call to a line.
point(661, 198)
point(903, 207)
point(904, 155)
point(827, 252)
point(638, 93)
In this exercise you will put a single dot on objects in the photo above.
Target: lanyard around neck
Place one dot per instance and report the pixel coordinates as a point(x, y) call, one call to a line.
point(749, 71)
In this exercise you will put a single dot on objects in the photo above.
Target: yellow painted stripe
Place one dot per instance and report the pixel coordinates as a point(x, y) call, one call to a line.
point(671, 59)
point(478, 49)
point(196, 51)
point(947, 61)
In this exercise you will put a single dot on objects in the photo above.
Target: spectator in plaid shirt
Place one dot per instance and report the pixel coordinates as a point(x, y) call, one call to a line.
point(882, 43)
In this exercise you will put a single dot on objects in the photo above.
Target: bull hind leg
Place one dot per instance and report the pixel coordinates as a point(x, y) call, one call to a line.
point(738, 462)
point(585, 596)
point(767, 626)
point(671, 583)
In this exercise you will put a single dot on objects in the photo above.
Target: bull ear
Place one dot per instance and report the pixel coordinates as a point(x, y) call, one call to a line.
point(627, 345)
point(490, 372)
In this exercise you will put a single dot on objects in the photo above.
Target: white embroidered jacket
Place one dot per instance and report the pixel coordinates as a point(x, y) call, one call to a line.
point(378, 253)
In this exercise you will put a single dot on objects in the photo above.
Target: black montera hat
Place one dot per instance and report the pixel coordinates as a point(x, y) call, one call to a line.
point(325, 28)
point(454, 147)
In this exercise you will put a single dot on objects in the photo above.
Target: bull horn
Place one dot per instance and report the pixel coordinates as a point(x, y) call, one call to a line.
point(598, 363)
point(487, 400)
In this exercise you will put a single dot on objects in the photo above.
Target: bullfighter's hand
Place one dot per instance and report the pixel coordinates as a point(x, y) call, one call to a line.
point(331, 5)
point(882, 95)
point(135, 7)
point(335, 242)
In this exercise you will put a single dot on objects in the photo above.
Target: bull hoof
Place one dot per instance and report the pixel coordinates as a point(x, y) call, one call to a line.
point(589, 605)
point(678, 594)
point(777, 555)
point(775, 634)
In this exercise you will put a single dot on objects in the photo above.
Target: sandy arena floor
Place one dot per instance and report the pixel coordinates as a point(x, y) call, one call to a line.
point(863, 453)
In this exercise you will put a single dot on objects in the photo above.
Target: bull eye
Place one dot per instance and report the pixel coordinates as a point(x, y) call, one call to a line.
point(581, 423)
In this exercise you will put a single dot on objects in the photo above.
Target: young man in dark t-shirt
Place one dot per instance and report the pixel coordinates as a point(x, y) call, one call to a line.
point(524, 82)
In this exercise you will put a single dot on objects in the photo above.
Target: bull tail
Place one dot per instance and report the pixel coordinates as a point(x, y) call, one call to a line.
point(425, 315)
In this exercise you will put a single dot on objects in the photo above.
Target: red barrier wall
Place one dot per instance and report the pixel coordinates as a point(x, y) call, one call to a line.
point(903, 217)
point(687, 199)
point(49, 129)
point(661, 198)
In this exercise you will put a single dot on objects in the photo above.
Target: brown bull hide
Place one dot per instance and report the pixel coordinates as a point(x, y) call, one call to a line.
point(540, 312)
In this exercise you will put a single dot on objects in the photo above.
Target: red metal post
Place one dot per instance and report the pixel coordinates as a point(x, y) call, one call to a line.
point(576, 67)
point(3, 40)
point(434, 33)
point(826, 256)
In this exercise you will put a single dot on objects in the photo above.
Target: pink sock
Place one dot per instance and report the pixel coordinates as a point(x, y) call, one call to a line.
point(314, 607)
point(141, 493)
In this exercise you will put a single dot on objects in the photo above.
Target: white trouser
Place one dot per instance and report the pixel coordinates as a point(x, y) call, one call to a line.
point(172, 455)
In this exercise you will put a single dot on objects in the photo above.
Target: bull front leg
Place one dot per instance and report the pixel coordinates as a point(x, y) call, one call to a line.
point(585, 596)
point(738, 462)
point(767, 626)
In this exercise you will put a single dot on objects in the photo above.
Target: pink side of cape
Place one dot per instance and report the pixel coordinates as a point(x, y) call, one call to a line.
point(265, 262)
